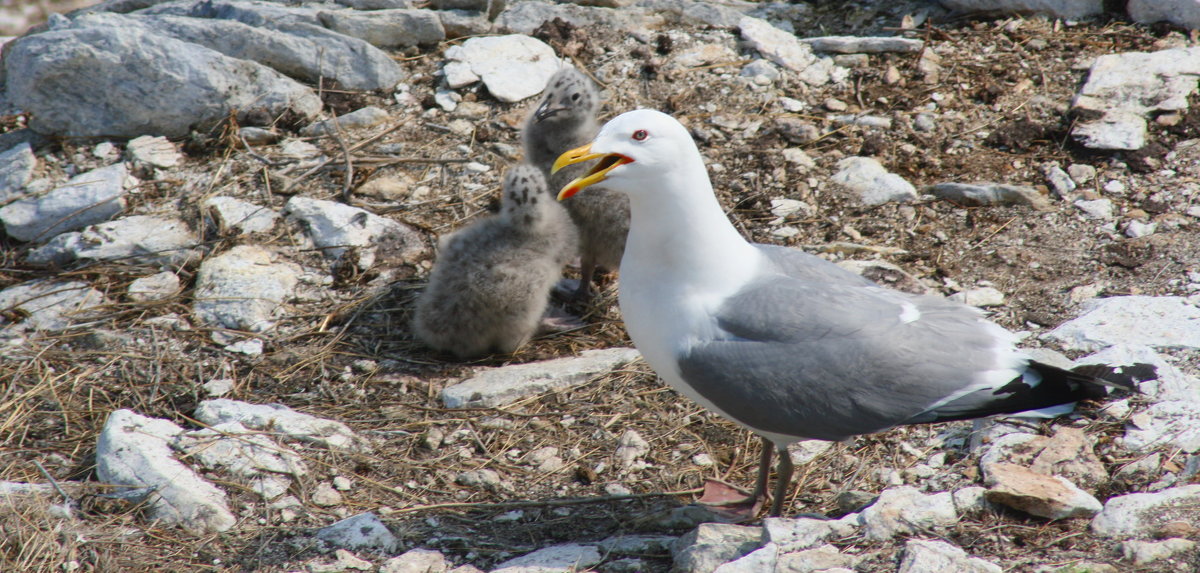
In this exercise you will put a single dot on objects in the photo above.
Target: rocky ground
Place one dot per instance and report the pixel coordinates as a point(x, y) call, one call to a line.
point(577, 466)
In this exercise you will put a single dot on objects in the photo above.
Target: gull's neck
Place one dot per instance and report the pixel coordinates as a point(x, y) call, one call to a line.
point(680, 233)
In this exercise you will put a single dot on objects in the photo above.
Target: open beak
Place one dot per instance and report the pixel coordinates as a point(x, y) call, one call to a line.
point(596, 174)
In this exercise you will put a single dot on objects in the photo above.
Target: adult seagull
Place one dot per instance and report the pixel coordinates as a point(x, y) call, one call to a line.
point(787, 344)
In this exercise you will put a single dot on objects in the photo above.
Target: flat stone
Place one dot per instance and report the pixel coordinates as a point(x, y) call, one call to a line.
point(981, 297)
point(800, 533)
point(155, 151)
point(120, 74)
point(336, 227)
point(980, 194)
point(822, 558)
point(513, 67)
point(1139, 515)
point(903, 510)
point(1146, 552)
point(864, 45)
point(788, 51)
point(1052, 497)
point(159, 286)
point(762, 559)
point(711, 545)
point(251, 457)
point(1130, 87)
point(233, 214)
point(362, 531)
point(399, 28)
point(872, 182)
point(498, 386)
point(565, 558)
point(87, 198)
point(144, 239)
point(1060, 181)
point(134, 451)
point(49, 305)
point(1100, 209)
point(358, 119)
point(1155, 321)
point(630, 446)
point(17, 166)
point(1174, 423)
point(243, 289)
point(416, 561)
point(932, 556)
point(281, 420)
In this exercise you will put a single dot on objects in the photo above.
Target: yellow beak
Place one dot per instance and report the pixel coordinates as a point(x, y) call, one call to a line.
point(595, 175)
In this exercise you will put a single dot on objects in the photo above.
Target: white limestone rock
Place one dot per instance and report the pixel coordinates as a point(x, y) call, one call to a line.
point(17, 166)
point(251, 457)
point(358, 119)
point(933, 556)
point(155, 151)
point(788, 51)
point(498, 386)
point(872, 182)
point(903, 510)
point(233, 214)
point(800, 533)
point(48, 305)
point(338, 229)
point(145, 239)
point(1140, 515)
point(513, 67)
point(1129, 88)
point(158, 286)
point(243, 289)
point(362, 531)
point(566, 557)
point(87, 198)
point(713, 544)
point(1155, 321)
point(284, 421)
point(135, 451)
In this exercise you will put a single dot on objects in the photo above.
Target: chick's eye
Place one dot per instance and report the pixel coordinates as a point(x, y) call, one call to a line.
point(640, 135)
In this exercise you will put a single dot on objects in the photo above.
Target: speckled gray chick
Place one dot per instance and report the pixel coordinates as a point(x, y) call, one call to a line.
point(564, 119)
point(491, 282)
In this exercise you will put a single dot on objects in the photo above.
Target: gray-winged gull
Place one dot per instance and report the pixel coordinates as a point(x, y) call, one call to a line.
point(565, 118)
point(787, 344)
point(491, 283)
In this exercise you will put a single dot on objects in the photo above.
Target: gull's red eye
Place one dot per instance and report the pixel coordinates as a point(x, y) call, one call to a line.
point(640, 134)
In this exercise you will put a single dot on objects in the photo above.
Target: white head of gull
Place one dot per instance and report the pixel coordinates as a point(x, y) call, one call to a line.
point(787, 344)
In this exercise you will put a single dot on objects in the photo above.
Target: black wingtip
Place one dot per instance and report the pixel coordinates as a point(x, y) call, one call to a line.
point(1126, 377)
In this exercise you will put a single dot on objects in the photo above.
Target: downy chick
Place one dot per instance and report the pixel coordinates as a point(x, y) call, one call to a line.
point(491, 282)
point(564, 119)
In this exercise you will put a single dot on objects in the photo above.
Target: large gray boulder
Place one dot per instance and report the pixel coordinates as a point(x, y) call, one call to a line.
point(304, 52)
point(105, 81)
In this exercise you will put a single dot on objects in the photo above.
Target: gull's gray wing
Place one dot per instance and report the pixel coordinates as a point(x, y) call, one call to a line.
point(803, 266)
point(833, 359)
